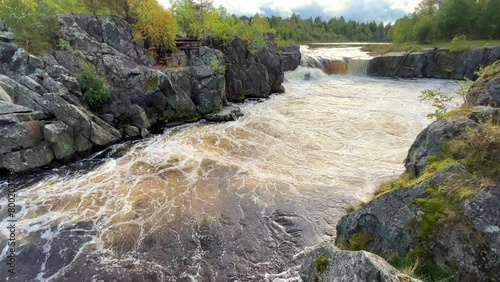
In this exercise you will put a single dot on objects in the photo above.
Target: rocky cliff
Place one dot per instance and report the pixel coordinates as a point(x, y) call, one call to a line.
point(44, 117)
point(433, 63)
point(442, 214)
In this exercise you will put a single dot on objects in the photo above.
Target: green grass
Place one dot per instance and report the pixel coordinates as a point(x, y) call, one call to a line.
point(321, 264)
point(413, 47)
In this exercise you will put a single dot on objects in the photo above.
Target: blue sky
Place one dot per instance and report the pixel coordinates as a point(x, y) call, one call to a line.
point(360, 10)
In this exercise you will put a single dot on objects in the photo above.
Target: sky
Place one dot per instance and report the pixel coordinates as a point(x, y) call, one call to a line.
point(359, 10)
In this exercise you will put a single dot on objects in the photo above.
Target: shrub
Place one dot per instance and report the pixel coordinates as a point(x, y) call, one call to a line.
point(439, 102)
point(458, 43)
point(93, 85)
point(321, 264)
point(219, 69)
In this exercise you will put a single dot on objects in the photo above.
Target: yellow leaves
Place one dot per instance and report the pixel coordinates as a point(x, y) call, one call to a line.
point(154, 23)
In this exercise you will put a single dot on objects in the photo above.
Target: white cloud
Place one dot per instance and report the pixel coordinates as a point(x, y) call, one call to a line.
point(356, 9)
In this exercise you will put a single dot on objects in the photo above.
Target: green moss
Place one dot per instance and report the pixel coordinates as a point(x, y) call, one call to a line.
point(435, 207)
point(321, 264)
point(151, 83)
point(462, 111)
point(359, 241)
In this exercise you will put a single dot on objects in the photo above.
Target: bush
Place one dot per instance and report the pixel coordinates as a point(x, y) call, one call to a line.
point(439, 102)
point(93, 85)
point(458, 43)
point(218, 68)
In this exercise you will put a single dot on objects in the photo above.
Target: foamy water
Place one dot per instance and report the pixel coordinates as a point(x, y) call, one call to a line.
point(224, 202)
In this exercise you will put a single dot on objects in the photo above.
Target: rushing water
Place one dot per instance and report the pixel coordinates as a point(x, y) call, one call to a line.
point(238, 201)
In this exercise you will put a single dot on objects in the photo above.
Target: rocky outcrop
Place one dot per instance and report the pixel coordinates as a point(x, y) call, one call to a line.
point(43, 113)
point(433, 63)
point(445, 216)
point(431, 140)
point(329, 264)
point(251, 72)
point(486, 90)
point(290, 57)
point(397, 64)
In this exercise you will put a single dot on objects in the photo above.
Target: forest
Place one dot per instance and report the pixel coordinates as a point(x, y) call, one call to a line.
point(435, 20)
point(36, 26)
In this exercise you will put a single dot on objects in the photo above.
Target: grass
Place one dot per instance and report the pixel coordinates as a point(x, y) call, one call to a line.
point(321, 263)
point(413, 47)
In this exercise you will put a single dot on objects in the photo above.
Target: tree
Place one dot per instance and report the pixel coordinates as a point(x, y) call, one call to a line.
point(156, 25)
point(35, 24)
point(121, 8)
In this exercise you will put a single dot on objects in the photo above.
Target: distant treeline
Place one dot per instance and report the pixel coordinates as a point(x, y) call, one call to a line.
point(435, 20)
point(295, 29)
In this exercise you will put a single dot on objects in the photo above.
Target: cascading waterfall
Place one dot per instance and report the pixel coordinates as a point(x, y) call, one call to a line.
point(327, 60)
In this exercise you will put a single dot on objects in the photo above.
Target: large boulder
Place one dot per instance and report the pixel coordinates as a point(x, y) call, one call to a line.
point(328, 264)
point(431, 140)
point(61, 137)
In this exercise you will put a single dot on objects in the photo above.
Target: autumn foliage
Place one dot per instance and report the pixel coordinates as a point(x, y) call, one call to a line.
point(154, 25)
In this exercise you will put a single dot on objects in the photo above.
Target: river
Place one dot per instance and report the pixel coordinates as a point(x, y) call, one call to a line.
point(237, 201)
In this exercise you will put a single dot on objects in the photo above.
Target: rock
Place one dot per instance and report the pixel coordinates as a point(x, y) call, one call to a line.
point(54, 86)
point(4, 97)
point(389, 220)
point(22, 135)
point(145, 133)
point(107, 117)
point(431, 140)
point(39, 156)
point(131, 131)
point(139, 117)
point(329, 264)
point(32, 85)
point(6, 36)
point(399, 64)
point(269, 57)
point(290, 57)
point(62, 139)
point(483, 212)
point(245, 77)
point(482, 115)
point(486, 90)
point(101, 137)
point(228, 113)
point(9, 108)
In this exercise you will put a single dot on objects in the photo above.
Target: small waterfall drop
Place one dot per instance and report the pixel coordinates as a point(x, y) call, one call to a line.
point(347, 61)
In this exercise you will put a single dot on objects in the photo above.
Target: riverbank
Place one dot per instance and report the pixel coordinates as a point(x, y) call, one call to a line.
point(46, 116)
point(439, 220)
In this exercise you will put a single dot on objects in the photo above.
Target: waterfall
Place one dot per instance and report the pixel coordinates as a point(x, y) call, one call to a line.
point(357, 67)
point(336, 60)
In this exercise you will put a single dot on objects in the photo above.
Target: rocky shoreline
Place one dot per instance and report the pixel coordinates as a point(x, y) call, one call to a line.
point(440, 219)
point(45, 119)
point(433, 63)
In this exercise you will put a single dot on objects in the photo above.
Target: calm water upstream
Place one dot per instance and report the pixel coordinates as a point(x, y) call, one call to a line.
point(238, 201)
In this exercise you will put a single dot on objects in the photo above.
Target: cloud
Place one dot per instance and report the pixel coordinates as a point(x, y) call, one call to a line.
point(359, 10)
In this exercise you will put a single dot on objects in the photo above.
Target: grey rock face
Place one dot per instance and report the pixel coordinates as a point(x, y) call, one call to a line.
point(62, 138)
point(247, 74)
point(397, 64)
point(483, 212)
point(290, 57)
point(485, 91)
point(346, 266)
point(38, 156)
point(431, 140)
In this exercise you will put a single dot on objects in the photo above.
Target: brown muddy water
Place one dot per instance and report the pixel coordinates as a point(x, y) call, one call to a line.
point(238, 201)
